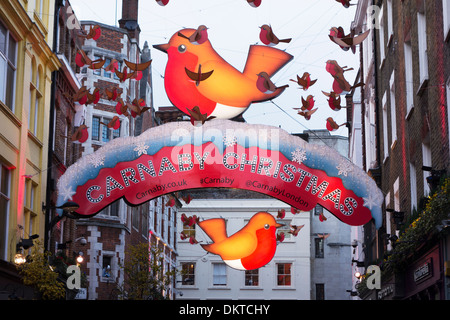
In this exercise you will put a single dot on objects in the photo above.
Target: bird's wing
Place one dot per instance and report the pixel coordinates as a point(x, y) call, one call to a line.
point(214, 228)
point(264, 58)
point(237, 246)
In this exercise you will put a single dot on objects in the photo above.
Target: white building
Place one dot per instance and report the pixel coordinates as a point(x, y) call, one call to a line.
point(205, 276)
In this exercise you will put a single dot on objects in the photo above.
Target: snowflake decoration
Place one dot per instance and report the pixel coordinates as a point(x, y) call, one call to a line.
point(344, 167)
point(230, 140)
point(67, 193)
point(141, 148)
point(97, 160)
point(371, 201)
point(299, 156)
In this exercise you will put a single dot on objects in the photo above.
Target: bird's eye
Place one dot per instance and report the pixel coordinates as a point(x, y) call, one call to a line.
point(266, 226)
point(181, 48)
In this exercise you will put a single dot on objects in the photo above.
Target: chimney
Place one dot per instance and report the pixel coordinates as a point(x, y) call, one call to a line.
point(129, 19)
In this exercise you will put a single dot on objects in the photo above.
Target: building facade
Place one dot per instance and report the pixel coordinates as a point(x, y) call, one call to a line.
point(205, 276)
point(27, 63)
point(401, 117)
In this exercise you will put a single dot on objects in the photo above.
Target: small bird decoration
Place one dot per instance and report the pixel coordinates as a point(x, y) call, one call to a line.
point(137, 68)
point(189, 221)
point(113, 124)
point(323, 235)
point(304, 81)
point(80, 135)
point(80, 96)
point(192, 240)
point(265, 85)
point(82, 59)
point(308, 103)
point(170, 202)
point(121, 107)
point(254, 3)
point(125, 75)
point(187, 199)
point(197, 116)
point(307, 113)
point(198, 37)
point(250, 248)
point(280, 237)
point(112, 94)
point(332, 125)
point(93, 98)
point(112, 66)
point(199, 75)
point(281, 214)
point(340, 84)
point(94, 33)
point(162, 2)
point(137, 107)
point(295, 210)
point(322, 217)
point(346, 42)
point(345, 3)
point(295, 229)
point(267, 36)
point(334, 100)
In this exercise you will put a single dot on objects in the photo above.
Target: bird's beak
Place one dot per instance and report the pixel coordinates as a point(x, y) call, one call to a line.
point(162, 47)
point(277, 225)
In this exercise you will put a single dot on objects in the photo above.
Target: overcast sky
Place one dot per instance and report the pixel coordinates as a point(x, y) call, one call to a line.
point(233, 27)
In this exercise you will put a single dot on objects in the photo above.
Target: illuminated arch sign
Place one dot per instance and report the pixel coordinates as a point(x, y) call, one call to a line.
point(223, 154)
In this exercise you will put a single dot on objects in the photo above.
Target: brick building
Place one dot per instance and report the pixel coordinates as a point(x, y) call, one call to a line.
point(104, 239)
point(401, 118)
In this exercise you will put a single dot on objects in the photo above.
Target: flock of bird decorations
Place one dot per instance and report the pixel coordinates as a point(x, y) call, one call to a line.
point(191, 61)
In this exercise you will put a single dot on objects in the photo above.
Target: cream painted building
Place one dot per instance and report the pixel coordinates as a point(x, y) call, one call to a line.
point(26, 65)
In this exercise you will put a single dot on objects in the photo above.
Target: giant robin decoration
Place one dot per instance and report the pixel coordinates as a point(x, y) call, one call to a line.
point(250, 248)
point(196, 75)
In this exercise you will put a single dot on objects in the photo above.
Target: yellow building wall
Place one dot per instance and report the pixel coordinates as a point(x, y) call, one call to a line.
point(22, 149)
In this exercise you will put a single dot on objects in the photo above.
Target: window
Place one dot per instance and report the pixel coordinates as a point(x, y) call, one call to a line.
point(426, 161)
point(252, 278)
point(385, 127)
point(413, 183)
point(318, 245)
point(423, 54)
point(106, 267)
point(4, 209)
point(390, 17)
point(318, 210)
point(284, 274)
point(381, 33)
point(112, 210)
point(446, 18)
point(285, 228)
point(387, 201)
point(100, 132)
point(409, 77)
point(219, 274)
point(8, 48)
point(188, 274)
point(393, 110)
point(98, 71)
point(135, 215)
point(320, 291)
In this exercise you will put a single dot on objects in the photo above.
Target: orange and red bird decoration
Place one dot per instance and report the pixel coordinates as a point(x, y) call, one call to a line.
point(197, 76)
point(340, 84)
point(269, 38)
point(346, 42)
point(81, 134)
point(304, 81)
point(94, 33)
point(250, 248)
point(254, 3)
point(265, 85)
point(334, 100)
point(162, 2)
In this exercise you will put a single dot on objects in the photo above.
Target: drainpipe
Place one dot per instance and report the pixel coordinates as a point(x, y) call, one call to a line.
point(48, 209)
